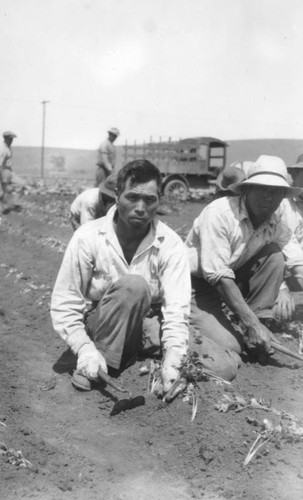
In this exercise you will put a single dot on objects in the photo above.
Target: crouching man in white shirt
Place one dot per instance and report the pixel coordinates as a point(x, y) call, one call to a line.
point(130, 266)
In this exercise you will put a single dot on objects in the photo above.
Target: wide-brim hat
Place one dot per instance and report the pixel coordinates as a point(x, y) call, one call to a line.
point(230, 175)
point(108, 186)
point(267, 171)
point(114, 131)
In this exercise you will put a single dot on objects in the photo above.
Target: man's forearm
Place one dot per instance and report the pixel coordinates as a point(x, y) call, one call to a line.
point(233, 298)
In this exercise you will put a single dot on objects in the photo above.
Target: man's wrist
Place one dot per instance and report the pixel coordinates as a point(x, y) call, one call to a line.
point(250, 321)
point(77, 339)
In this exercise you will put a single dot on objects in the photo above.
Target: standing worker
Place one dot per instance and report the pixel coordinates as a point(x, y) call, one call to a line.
point(106, 156)
point(6, 168)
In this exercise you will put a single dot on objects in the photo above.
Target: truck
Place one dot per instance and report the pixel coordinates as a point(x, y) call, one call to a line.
point(192, 163)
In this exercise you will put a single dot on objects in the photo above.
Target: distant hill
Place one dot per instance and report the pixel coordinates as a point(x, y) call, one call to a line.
point(81, 163)
point(251, 149)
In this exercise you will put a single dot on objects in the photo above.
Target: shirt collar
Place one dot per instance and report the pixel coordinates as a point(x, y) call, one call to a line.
point(154, 237)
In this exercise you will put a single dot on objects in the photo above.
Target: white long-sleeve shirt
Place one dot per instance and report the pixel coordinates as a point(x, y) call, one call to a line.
point(94, 259)
point(87, 206)
point(223, 239)
point(292, 216)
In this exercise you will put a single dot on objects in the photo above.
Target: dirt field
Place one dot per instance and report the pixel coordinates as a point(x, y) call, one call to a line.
point(155, 452)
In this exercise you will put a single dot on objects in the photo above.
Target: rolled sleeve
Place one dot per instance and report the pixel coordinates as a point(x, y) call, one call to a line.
point(209, 239)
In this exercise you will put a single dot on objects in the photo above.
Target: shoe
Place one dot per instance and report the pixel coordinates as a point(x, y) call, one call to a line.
point(81, 382)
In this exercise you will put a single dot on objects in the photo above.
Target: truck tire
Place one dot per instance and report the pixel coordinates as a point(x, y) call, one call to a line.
point(176, 190)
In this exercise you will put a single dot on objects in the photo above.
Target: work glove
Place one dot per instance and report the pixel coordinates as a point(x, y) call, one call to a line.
point(171, 367)
point(90, 360)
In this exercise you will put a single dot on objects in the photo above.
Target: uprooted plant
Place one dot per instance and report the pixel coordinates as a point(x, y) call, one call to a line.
point(191, 372)
point(239, 403)
point(288, 430)
point(14, 457)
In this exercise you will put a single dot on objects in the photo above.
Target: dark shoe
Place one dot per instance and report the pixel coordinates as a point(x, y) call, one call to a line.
point(81, 382)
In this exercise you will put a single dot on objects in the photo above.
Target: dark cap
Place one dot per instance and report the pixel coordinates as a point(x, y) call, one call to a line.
point(108, 186)
point(299, 162)
point(229, 176)
point(8, 133)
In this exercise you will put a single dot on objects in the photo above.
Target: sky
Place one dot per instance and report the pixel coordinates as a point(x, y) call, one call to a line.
point(156, 69)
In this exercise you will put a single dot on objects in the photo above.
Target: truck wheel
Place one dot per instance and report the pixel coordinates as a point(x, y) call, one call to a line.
point(176, 190)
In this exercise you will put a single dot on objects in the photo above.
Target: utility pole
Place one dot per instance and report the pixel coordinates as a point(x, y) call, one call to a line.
point(43, 137)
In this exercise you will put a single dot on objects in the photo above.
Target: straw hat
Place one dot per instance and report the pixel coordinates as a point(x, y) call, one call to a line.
point(230, 175)
point(267, 171)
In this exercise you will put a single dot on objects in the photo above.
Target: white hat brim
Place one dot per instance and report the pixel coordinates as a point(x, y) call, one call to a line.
point(266, 180)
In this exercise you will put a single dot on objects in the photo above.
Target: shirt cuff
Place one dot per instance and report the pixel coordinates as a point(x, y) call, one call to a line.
point(76, 340)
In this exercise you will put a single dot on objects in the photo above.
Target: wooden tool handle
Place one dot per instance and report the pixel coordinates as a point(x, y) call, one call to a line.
point(104, 376)
point(285, 350)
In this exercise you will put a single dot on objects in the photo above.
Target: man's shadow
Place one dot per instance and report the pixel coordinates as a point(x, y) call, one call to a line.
point(66, 363)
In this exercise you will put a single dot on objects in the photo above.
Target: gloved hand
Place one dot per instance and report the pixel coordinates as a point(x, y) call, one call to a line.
point(170, 368)
point(90, 360)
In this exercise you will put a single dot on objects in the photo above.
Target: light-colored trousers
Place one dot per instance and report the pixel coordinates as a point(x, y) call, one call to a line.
point(212, 334)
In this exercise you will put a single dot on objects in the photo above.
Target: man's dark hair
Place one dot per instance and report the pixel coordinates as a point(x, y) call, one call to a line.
point(138, 171)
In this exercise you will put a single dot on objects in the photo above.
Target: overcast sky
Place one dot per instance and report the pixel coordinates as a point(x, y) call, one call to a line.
point(232, 69)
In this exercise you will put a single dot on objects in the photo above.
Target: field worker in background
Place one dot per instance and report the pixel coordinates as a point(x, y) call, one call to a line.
point(93, 203)
point(134, 270)
point(6, 174)
point(292, 212)
point(238, 248)
point(106, 156)
point(293, 207)
point(229, 175)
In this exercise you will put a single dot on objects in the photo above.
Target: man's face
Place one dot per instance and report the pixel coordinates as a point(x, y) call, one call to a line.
point(297, 176)
point(138, 203)
point(263, 201)
point(8, 140)
point(112, 137)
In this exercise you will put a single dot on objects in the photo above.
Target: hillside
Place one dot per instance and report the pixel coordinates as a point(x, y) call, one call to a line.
point(287, 149)
point(80, 163)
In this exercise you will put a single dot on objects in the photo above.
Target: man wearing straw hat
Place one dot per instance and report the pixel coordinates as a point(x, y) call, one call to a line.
point(238, 248)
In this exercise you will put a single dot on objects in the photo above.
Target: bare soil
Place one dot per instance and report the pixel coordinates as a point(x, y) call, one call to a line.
point(154, 452)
